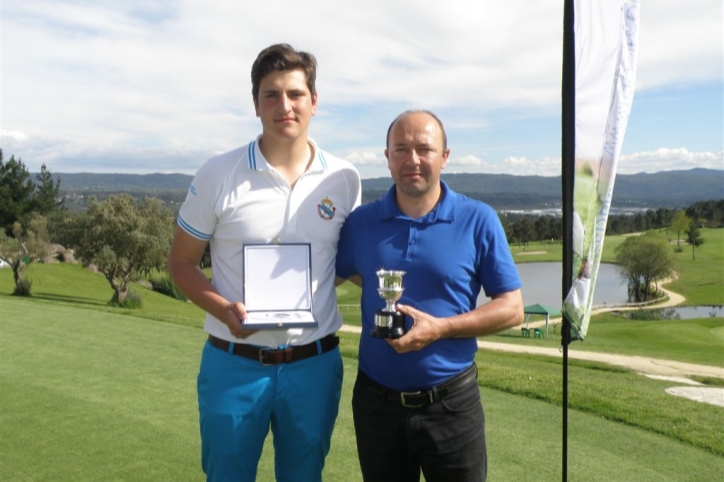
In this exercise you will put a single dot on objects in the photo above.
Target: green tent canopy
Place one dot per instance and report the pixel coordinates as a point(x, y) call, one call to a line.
point(538, 309)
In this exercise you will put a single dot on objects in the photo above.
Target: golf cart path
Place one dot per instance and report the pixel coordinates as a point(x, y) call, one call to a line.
point(644, 365)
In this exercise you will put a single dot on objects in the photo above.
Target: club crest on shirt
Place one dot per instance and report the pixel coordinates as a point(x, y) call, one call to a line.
point(326, 209)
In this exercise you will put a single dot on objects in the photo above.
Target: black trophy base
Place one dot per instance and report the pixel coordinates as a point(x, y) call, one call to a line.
point(388, 325)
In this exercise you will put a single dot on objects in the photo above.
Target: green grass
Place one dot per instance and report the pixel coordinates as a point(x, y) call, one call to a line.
point(74, 285)
point(91, 395)
point(608, 392)
point(537, 251)
point(90, 392)
point(699, 341)
point(701, 281)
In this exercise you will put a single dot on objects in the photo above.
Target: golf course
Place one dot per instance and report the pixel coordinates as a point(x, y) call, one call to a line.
point(90, 392)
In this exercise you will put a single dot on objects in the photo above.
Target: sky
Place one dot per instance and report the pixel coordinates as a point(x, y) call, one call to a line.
point(142, 86)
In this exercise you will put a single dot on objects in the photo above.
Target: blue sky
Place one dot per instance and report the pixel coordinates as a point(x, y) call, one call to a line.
point(144, 86)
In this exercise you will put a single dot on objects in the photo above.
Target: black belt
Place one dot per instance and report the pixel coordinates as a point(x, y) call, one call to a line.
point(422, 398)
point(275, 356)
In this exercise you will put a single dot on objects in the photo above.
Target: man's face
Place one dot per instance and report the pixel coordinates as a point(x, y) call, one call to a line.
point(285, 105)
point(415, 154)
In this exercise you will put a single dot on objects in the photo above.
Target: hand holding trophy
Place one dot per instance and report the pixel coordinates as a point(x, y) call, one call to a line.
point(389, 323)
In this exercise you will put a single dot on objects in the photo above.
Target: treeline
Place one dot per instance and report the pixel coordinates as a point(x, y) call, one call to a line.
point(77, 202)
point(526, 228)
point(706, 213)
point(124, 236)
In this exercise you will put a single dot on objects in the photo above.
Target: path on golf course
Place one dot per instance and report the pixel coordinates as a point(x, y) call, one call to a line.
point(645, 365)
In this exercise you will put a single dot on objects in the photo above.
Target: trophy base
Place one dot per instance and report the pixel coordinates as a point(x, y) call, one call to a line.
point(388, 325)
point(384, 332)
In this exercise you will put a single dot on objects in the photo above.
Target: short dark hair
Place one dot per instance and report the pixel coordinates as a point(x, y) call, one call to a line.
point(282, 57)
point(415, 111)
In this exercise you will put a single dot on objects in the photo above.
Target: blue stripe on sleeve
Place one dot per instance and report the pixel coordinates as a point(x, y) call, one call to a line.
point(193, 232)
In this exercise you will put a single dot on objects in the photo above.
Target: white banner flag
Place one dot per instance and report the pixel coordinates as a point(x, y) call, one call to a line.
point(606, 43)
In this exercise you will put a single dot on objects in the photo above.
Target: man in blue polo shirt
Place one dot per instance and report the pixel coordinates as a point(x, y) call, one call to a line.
point(416, 401)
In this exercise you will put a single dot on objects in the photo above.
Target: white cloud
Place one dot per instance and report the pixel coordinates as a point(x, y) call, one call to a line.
point(665, 159)
point(544, 166)
point(13, 136)
point(680, 42)
point(468, 160)
point(142, 81)
point(366, 158)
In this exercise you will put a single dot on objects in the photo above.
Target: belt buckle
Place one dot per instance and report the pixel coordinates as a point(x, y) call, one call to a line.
point(406, 404)
point(262, 353)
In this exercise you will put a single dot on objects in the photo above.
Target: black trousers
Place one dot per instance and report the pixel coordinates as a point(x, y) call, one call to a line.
point(444, 440)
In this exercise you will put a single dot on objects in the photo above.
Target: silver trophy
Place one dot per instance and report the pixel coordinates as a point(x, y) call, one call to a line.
point(389, 323)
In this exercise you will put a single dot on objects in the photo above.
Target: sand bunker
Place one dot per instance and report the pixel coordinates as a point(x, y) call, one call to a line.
point(694, 391)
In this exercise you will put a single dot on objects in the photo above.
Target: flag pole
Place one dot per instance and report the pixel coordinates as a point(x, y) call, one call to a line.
point(568, 137)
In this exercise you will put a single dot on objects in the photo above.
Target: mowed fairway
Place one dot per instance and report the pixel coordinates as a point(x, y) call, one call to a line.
point(97, 396)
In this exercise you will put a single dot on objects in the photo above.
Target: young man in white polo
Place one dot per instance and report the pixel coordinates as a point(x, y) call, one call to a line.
point(278, 189)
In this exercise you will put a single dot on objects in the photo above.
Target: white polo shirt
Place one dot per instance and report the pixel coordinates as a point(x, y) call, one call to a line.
point(238, 198)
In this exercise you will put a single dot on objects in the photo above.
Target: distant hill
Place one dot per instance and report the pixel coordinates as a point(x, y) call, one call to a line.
point(666, 189)
point(95, 182)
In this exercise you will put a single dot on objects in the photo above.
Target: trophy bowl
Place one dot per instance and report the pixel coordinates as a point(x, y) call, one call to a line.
point(389, 323)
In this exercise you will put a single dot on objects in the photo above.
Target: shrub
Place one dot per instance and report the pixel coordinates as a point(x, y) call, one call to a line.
point(133, 301)
point(164, 285)
point(654, 315)
point(644, 315)
point(24, 287)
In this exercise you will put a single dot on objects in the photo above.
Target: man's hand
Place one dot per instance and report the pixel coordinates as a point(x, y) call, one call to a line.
point(425, 330)
point(234, 316)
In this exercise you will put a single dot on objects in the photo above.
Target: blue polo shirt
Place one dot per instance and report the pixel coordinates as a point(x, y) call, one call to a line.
point(448, 255)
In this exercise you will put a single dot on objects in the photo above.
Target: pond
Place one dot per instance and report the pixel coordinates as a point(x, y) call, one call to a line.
point(542, 284)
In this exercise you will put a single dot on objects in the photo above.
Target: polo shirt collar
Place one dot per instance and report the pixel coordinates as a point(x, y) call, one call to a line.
point(257, 162)
point(444, 210)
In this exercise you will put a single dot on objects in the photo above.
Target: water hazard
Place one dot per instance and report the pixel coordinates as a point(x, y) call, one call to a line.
point(542, 284)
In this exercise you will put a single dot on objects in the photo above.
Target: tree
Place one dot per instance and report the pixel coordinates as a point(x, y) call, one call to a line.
point(663, 217)
point(555, 227)
point(16, 193)
point(541, 228)
point(19, 195)
point(47, 196)
point(679, 223)
point(523, 230)
point(123, 237)
point(644, 261)
point(694, 237)
point(26, 245)
point(507, 226)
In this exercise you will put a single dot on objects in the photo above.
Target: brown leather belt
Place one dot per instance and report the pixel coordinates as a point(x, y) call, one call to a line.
point(275, 356)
